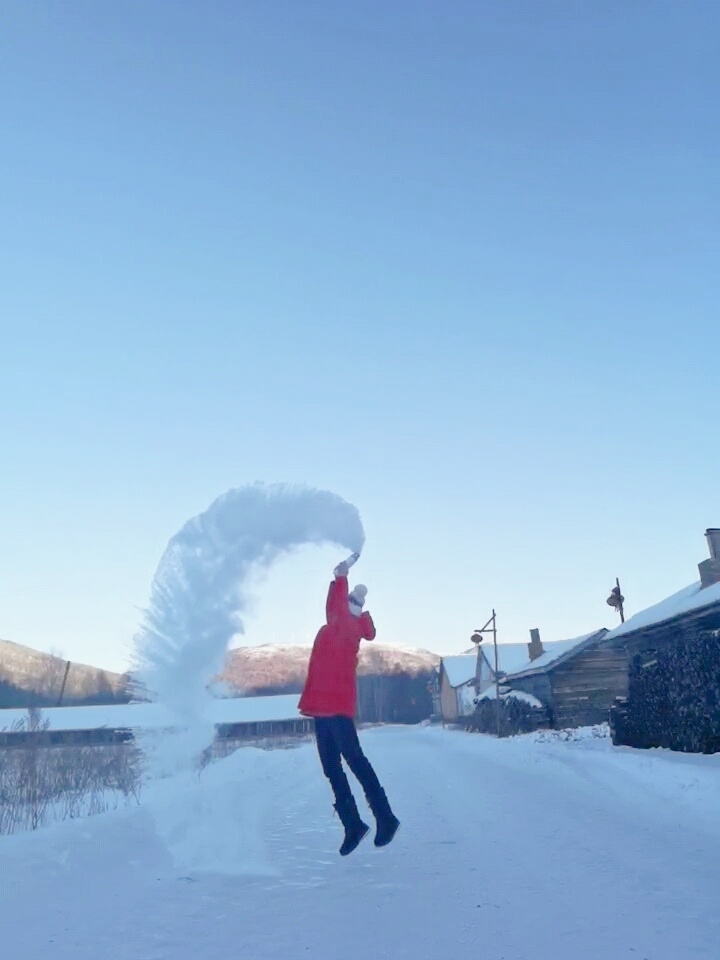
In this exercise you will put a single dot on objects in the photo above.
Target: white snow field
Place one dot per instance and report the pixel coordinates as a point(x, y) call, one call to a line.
point(509, 850)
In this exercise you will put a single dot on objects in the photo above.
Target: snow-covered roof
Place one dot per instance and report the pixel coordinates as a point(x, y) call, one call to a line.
point(510, 656)
point(460, 669)
point(513, 658)
point(558, 650)
point(692, 598)
point(490, 694)
point(145, 716)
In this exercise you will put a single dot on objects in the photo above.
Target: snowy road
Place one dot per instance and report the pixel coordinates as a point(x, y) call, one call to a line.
point(513, 850)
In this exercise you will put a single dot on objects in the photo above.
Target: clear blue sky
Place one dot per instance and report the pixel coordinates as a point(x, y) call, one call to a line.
point(458, 262)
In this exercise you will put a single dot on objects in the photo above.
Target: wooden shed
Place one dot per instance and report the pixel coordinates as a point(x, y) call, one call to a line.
point(577, 680)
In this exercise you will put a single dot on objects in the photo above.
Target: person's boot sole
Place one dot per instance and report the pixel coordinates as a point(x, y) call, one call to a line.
point(346, 853)
point(390, 838)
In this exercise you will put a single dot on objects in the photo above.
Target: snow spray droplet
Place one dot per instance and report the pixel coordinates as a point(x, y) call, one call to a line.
point(198, 595)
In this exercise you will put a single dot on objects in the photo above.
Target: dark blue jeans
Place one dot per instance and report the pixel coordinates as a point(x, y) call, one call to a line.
point(337, 739)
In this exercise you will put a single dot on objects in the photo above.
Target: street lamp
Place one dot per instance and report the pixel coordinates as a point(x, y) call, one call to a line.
point(477, 638)
point(616, 600)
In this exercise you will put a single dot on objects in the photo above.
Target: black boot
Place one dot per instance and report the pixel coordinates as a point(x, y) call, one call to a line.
point(355, 829)
point(387, 823)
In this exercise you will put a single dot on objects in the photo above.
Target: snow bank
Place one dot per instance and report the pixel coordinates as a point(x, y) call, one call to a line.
point(599, 731)
point(147, 716)
point(213, 821)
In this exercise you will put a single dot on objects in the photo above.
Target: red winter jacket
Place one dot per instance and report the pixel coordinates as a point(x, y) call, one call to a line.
point(330, 685)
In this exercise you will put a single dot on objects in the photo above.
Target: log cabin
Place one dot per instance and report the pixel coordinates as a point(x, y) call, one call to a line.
point(576, 680)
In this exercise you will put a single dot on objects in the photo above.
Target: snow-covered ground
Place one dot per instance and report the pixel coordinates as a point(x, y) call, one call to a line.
point(526, 849)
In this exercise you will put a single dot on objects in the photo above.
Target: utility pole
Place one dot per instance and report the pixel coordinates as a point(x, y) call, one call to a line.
point(477, 638)
point(64, 681)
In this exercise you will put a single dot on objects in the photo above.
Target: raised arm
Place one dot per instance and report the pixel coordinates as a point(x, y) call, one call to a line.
point(337, 598)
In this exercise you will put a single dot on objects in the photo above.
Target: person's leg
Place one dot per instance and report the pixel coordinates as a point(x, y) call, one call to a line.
point(387, 822)
point(351, 750)
point(330, 758)
point(328, 746)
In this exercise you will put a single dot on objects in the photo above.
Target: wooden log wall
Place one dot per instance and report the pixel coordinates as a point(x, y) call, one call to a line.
point(586, 686)
point(63, 738)
point(265, 728)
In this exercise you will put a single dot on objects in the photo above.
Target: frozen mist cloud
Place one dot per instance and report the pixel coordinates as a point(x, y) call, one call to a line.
point(199, 592)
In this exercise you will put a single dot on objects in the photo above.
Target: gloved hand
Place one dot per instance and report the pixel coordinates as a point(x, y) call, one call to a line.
point(342, 569)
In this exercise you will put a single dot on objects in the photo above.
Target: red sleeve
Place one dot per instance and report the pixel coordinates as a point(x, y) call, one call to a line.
point(368, 626)
point(337, 599)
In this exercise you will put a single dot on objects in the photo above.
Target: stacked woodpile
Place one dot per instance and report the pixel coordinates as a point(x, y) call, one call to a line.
point(515, 716)
point(673, 694)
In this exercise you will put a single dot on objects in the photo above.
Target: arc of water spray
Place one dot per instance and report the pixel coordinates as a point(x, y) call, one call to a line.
point(199, 590)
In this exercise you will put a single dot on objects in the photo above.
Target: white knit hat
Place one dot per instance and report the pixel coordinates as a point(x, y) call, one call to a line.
point(356, 599)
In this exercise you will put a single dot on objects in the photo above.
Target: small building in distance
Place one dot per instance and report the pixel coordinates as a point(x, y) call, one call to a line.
point(465, 677)
point(458, 685)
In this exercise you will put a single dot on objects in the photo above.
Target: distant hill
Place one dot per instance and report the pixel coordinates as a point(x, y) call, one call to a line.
point(277, 669)
point(29, 678)
point(392, 681)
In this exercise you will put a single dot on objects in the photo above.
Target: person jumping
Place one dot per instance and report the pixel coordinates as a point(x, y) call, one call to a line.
point(329, 696)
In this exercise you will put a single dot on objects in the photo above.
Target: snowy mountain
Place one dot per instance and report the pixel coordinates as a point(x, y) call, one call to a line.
point(392, 681)
point(31, 678)
point(281, 669)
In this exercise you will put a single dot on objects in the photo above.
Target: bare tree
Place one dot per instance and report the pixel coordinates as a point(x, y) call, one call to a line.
point(40, 782)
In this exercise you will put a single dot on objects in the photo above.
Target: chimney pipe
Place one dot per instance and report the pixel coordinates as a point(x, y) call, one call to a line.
point(535, 647)
point(710, 569)
point(712, 535)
